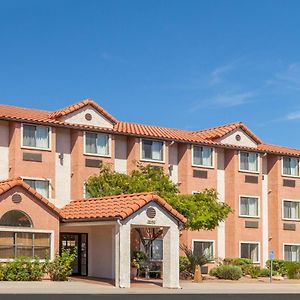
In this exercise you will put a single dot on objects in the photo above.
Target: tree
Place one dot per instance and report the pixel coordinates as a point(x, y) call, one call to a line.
point(203, 210)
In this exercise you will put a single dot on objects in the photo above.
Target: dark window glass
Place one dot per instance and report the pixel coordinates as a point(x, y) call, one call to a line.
point(15, 218)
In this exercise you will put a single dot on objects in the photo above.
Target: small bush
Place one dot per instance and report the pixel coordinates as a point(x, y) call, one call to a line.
point(237, 261)
point(23, 269)
point(254, 271)
point(266, 272)
point(279, 266)
point(293, 269)
point(60, 268)
point(227, 272)
point(184, 264)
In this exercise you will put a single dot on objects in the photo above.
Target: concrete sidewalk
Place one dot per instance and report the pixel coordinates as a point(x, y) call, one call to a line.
point(48, 287)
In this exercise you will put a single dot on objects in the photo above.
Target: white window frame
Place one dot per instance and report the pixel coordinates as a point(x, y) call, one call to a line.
point(96, 154)
point(152, 160)
point(203, 166)
point(286, 175)
point(248, 242)
point(258, 206)
point(36, 148)
point(282, 209)
point(206, 241)
point(287, 244)
point(258, 162)
point(30, 230)
point(40, 179)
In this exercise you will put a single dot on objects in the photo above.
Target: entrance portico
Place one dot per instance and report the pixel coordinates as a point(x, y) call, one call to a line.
point(108, 223)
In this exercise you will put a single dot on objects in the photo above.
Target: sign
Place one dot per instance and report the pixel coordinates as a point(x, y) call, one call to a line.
point(271, 255)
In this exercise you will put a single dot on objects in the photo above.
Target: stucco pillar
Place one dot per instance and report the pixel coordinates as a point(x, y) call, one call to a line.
point(171, 257)
point(123, 248)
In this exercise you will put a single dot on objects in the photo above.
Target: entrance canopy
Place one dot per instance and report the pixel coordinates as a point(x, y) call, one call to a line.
point(109, 221)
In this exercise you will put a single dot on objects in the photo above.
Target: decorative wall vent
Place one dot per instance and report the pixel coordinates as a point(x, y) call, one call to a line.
point(289, 226)
point(88, 117)
point(93, 163)
point(199, 173)
point(151, 212)
point(251, 224)
point(238, 137)
point(16, 198)
point(289, 182)
point(251, 179)
point(27, 156)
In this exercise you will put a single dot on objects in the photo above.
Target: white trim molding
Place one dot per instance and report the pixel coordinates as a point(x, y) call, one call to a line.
point(282, 210)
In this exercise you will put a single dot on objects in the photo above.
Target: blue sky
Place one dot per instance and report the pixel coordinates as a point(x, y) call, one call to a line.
point(183, 64)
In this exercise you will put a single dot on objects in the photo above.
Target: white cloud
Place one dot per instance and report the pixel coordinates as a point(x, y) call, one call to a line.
point(293, 116)
point(218, 73)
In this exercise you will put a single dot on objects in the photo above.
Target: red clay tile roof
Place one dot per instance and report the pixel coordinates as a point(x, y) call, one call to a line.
point(111, 207)
point(158, 132)
point(6, 185)
point(220, 131)
point(208, 136)
point(67, 110)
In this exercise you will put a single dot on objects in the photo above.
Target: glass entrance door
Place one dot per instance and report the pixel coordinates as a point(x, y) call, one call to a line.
point(71, 241)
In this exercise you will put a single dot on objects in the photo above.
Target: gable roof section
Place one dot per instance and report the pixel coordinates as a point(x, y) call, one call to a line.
point(220, 131)
point(6, 185)
point(114, 207)
point(74, 107)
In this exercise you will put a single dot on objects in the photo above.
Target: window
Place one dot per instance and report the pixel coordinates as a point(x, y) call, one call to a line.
point(36, 136)
point(250, 250)
point(202, 156)
point(156, 249)
point(204, 248)
point(249, 206)
point(152, 150)
point(15, 218)
point(290, 166)
point(249, 161)
point(291, 209)
point(14, 244)
point(41, 186)
point(97, 143)
point(292, 252)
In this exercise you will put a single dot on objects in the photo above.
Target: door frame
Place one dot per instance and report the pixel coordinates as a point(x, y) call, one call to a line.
point(79, 234)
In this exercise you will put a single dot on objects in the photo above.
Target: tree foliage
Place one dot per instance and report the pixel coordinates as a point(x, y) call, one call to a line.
point(203, 210)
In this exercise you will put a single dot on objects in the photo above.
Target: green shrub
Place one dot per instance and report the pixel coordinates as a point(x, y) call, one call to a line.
point(266, 272)
point(254, 271)
point(237, 261)
point(293, 269)
point(60, 268)
point(184, 264)
point(279, 266)
point(227, 272)
point(23, 269)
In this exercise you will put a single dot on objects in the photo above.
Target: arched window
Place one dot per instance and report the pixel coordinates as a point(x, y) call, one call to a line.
point(15, 218)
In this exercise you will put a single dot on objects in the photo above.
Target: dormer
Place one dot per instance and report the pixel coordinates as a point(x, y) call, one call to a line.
point(86, 112)
point(232, 134)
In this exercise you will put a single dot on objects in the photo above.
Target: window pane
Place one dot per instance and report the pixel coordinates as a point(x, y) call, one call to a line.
point(41, 239)
point(249, 161)
point(42, 252)
point(90, 142)
point(6, 238)
point(102, 144)
point(42, 187)
point(250, 251)
point(7, 252)
point(204, 248)
point(29, 135)
point(286, 166)
point(197, 155)
point(15, 218)
point(157, 250)
point(249, 206)
point(24, 239)
point(146, 149)
point(24, 251)
point(42, 137)
point(157, 150)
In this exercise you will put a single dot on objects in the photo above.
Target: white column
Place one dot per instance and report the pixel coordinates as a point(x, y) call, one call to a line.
point(221, 194)
point(265, 220)
point(171, 257)
point(124, 256)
